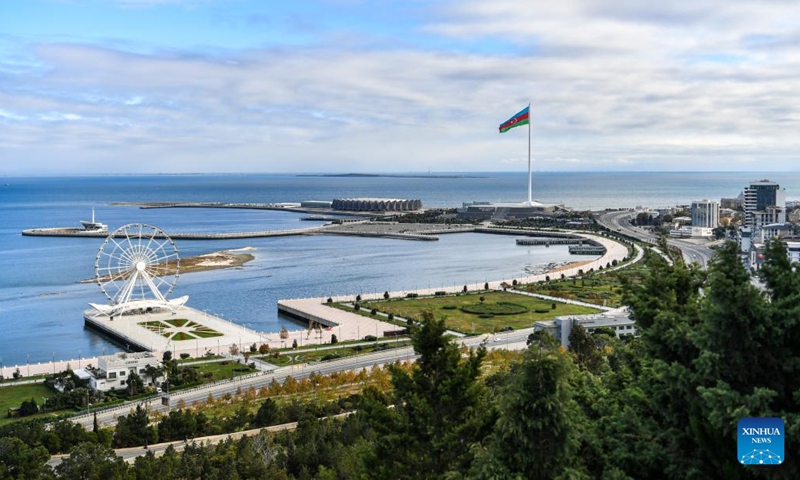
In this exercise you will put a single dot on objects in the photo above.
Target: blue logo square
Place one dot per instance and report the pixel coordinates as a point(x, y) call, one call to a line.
point(761, 441)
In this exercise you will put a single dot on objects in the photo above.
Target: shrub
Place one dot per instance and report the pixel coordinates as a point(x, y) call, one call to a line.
point(486, 315)
point(373, 312)
point(499, 308)
point(553, 306)
point(358, 298)
point(440, 293)
point(465, 288)
point(330, 300)
point(184, 356)
point(486, 286)
point(450, 307)
point(356, 307)
point(391, 316)
point(294, 343)
point(370, 338)
point(412, 295)
point(482, 299)
point(334, 339)
point(547, 278)
point(514, 282)
point(386, 295)
point(541, 311)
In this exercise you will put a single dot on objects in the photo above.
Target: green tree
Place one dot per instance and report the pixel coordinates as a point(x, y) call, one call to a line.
point(133, 430)
point(269, 413)
point(92, 462)
point(19, 460)
point(440, 409)
point(135, 385)
point(584, 347)
point(536, 433)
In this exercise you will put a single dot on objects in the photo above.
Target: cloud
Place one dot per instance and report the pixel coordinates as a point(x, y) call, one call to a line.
point(613, 85)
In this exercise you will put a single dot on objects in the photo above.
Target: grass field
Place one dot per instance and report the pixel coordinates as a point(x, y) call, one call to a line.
point(219, 371)
point(308, 356)
point(14, 396)
point(450, 307)
point(598, 288)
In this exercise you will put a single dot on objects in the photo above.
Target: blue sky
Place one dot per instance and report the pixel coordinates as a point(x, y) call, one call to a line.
point(120, 86)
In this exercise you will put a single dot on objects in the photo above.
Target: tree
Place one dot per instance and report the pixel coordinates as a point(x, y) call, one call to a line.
point(482, 299)
point(583, 346)
point(465, 289)
point(334, 339)
point(234, 350)
point(386, 295)
point(20, 460)
point(166, 356)
point(486, 286)
point(92, 462)
point(269, 413)
point(253, 348)
point(440, 408)
point(537, 430)
point(132, 429)
point(263, 349)
point(134, 384)
point(28, 407)
point(294, 343)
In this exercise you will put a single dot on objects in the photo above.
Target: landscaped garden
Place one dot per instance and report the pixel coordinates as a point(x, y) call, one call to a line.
point(599, 288)
point(480, 312)
point(180, 329)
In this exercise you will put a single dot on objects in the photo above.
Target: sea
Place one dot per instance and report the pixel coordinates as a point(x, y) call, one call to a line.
point(42, 303)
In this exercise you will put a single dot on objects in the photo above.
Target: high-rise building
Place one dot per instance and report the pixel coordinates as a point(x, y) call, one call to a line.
point(705, 214)
point(764, 202)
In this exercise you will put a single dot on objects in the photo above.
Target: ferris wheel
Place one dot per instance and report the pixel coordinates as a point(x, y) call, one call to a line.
point(137, 262)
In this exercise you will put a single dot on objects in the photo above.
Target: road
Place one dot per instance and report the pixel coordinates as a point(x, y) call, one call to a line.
point(619, 221)
point(513, 340)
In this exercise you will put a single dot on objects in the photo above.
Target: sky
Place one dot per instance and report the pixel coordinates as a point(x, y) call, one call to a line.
point(170, 86)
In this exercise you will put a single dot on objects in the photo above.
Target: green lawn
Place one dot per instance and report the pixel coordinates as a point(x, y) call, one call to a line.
point(219, 371)
point(450, 307)
point(14, 396)
point(599, 288)
point(308, 356)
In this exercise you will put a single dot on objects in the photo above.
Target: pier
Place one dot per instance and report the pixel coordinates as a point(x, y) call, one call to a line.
point(550, 241)
point(587, 249)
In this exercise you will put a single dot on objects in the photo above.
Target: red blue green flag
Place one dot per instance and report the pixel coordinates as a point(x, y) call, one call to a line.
point(521, 118)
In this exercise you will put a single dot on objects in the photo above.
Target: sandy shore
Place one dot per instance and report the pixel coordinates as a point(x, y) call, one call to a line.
point(201, 263)
point(570, 266)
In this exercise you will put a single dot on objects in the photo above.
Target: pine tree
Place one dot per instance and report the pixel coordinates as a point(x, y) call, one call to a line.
point(535, 436)
point(440, 409)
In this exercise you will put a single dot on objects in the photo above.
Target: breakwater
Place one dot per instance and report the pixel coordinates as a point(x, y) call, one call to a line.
point(77, 232)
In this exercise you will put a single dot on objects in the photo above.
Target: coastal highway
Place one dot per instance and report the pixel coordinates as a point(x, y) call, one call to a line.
point(515, 340)
point(619, 221)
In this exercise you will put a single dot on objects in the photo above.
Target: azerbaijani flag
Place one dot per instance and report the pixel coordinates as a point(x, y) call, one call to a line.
point(521, 118)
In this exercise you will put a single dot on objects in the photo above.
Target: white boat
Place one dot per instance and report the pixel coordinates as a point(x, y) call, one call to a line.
point(94, 226)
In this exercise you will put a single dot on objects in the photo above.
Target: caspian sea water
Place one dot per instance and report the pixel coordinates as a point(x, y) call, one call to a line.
point(41, 303)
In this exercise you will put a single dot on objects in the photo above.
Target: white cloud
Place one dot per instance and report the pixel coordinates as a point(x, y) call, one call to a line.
point(613, 85)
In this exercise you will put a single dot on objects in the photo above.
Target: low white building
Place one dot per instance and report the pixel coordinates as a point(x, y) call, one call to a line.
point(113, 371)
point(560, 327)
point(793, 250)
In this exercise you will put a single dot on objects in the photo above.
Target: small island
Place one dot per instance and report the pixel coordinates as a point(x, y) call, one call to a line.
point(201, 263)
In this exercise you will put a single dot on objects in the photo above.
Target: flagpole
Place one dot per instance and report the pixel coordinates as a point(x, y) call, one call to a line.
point(530, 175)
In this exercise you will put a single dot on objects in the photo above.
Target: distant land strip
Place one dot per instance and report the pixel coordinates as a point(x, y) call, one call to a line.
point(387, 175)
